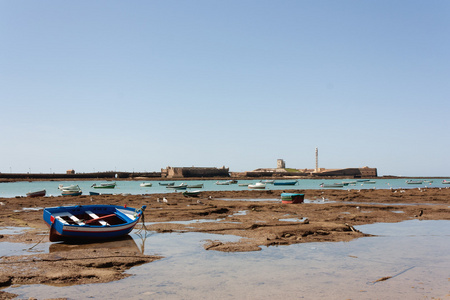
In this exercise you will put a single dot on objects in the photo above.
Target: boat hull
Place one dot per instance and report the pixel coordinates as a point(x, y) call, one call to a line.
point(71, 193)
point(286, 183)
point(292, 198)
point(90, 222)
point(36, 194)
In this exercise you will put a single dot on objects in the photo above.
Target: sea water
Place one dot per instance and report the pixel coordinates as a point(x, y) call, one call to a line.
point(406, 260)
point(21, 188)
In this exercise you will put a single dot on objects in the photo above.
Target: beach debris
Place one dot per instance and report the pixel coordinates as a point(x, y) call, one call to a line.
point(420, 214)
point(199, 201)
point(158, 200)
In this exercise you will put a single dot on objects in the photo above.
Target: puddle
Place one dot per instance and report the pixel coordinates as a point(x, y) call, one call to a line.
point(14, 230)
point(29, 209)
point(413, 255)
point(398, 211)
point(293, 220)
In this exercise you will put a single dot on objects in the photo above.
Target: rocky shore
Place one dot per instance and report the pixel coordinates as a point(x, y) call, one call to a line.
point(258, 217)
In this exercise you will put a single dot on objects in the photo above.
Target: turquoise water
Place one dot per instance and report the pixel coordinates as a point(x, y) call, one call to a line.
point(13, 189)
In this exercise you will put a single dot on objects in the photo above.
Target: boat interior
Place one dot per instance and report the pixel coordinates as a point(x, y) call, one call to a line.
point(90, 218)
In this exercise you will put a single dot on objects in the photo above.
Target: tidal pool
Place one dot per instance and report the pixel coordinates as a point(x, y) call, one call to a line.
point(406, 260)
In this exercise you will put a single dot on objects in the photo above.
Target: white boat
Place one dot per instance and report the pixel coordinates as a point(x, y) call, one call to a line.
point(223, 182)
point(146, 184)
point(195, 186)
point(268, 181)
point(446, 181)
point(257, 186)
point(73, 187)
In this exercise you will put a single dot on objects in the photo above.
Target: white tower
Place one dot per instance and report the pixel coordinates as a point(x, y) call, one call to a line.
point(317, 160)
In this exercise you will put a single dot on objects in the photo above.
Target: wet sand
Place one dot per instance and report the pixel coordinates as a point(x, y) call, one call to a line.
point(256, 216)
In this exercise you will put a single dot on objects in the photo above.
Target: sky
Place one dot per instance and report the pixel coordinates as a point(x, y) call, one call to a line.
point(142, 85)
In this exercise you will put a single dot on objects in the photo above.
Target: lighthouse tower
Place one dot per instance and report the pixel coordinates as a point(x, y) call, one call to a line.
point(317, 161)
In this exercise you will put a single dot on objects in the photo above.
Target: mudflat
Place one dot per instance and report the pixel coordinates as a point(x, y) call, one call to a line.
point(258, 217)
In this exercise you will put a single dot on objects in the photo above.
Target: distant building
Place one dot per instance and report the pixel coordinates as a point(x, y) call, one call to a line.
point(281, 164)
point(70, 172)
point(185, 172)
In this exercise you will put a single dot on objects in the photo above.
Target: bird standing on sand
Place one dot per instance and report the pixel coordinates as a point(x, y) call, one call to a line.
point(165, 200)
point(158, 200)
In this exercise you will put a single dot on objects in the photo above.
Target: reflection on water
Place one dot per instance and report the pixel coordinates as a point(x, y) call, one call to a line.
point(407, 260)
point(126, 243)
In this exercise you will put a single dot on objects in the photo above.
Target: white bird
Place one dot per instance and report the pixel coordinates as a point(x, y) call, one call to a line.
point(199, 201)
point(158, 200)
point(209, 197)
point(165, 200)
point(91, 199)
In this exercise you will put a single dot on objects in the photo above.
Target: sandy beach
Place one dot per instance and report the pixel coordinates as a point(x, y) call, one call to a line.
point(258, 217)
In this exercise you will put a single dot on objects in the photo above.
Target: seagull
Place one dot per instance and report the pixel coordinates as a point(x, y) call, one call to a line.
point(165, 200)
point(199, 201)
point(91, 199)
point(209, 197)
point(158, 200)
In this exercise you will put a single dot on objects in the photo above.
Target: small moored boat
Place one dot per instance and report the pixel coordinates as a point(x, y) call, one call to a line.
point(36, 194)
point(285, 182)
point(72, 187)
point(414, 181)
point(195, 186)
point(223, 182)
point(84, 222)
point(290, 198)
point(332, 185)
point(191, 193)
point(257, 186)
point(104, 185)
point(71, 193)
point(181, 186)
point(445, 181)
point(146, 184)
point(167, 183)
point(269, 181)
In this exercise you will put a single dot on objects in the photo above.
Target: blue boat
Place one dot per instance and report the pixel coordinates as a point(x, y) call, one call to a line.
point(285, 182)
point(292, 198)
point(90, 222)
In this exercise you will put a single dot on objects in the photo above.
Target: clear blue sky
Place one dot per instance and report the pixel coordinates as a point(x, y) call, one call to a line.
point(140, 85)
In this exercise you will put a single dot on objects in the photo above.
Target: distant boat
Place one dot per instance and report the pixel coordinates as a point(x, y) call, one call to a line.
point(291, 198)
point(257, 186)
point(362, 180)
point(36, 194)
point(71, 193)
point(223, 182)
point(167, 183)
point(195, 186)
point(243, 184)
point(104, 185)
point(73, 187)
point(414, 181)
point(369, 182)
point(191, 193)
point(331, 185)
point(146, 184)
point(269, 181)
point(72, 190)
point(445, 182)
point(181, 186)
point(285, 182)
point(90, 222)
point(345, 183)
point(94, 193)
